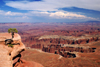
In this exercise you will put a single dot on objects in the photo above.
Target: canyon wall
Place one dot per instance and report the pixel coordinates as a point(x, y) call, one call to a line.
point(36, 43)
point(57, 44)
point(67, 51)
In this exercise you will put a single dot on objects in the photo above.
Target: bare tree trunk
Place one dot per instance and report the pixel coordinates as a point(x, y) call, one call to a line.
point(12, 35)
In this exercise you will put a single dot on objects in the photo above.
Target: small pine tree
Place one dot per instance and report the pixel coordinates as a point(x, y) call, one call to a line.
point(12, 31)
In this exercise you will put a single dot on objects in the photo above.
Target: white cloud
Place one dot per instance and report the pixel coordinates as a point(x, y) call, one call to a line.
point(66, 15)
point(13, 16)
point(60, 15)
point(13, 13)
point(9, 13)
point(53, 15)
point(53, 5)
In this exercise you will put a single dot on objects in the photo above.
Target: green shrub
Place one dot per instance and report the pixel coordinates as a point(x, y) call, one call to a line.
point(10, 45)
point(12, 30)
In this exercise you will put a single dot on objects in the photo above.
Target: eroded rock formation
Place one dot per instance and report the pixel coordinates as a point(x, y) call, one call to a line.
point(66, 50)
point(36, 42)
point(10, 56)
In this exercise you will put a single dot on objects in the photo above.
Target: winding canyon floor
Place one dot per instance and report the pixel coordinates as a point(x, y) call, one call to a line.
point(54, 60)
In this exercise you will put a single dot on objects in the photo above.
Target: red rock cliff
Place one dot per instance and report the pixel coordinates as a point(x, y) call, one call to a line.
point(10, 56)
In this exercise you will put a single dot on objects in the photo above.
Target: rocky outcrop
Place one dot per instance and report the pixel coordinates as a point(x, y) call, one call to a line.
point(61, 41)
point(66, 51)
point(7, 53)
point(10, 56)
point(55, 39)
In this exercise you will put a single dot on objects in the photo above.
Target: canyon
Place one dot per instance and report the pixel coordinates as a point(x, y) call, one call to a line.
point(58, 44)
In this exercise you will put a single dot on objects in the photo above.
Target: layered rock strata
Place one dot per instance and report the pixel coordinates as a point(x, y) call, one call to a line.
point(55, 39)
point(67, 50)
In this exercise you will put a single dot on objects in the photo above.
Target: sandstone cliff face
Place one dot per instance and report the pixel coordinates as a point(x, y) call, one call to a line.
point(8, 53)
point(10, 56)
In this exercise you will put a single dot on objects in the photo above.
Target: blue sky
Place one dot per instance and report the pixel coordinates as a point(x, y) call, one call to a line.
point(49, 10)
